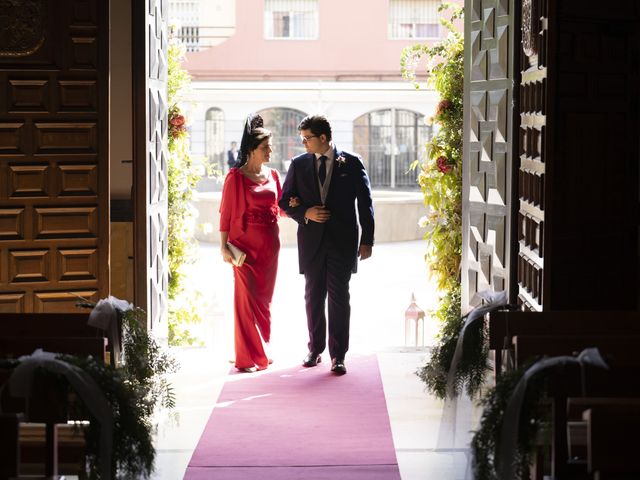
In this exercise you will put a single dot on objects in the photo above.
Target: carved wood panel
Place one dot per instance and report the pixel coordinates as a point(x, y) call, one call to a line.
point(54, 218)
point(533, 91)
point(150, 163)
point(488, 141)
point(578, 176)
point(591, 256)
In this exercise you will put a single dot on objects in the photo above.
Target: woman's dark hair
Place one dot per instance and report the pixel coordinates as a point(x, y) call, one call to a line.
point(318, 124)
point(252, 136)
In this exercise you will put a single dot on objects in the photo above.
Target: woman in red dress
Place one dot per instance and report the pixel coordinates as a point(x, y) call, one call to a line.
point(249, 220)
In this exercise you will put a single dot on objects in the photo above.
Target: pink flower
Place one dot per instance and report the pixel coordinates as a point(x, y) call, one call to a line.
point(177, 121)
point(340, 160)
point(443, 105)
point(443, 165)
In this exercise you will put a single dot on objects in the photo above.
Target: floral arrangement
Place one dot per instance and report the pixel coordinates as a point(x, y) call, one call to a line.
point(177, 123)
point(181, 182)
point(440, 176)
point(440, 179)
point(534, 421)
point(135, 390)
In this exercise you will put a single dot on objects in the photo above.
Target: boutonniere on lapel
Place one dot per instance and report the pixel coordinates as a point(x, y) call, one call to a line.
point(341, 160)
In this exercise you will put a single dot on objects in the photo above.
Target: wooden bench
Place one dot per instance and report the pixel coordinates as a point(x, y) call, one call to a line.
point(612, 439)
point(9, 444)
point(618, 350)
point(528, 336)
point(578, 430)
point(503, 325)
point(572, 381)
point(22, 334)
point(63, 332)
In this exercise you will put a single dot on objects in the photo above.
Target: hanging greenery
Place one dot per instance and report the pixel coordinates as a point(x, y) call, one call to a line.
point(473, 365)
point(534, 419)
point(440, 178)
point(182, 180)
point(136, 390)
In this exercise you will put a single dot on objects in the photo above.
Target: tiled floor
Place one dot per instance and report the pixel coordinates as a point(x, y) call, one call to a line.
point(380, 293)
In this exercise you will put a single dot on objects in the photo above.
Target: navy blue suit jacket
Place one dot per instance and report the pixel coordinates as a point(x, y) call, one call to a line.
point(349, 185)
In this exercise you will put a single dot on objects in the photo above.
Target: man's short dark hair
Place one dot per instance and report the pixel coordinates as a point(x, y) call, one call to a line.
point(318, 124)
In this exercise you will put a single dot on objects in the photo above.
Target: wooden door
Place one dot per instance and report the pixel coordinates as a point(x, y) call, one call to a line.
point(54, 174)
point(533, 140)
point(592, 262)
point(489, 127)
point(150, 160)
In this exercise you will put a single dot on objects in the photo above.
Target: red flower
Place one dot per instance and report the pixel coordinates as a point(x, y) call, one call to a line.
point(443, 106)
point(443, 165)
point(177, 121)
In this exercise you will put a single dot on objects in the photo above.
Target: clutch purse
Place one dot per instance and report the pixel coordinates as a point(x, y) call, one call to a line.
point(238, 255)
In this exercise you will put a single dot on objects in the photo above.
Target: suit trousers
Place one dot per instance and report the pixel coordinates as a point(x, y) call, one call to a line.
point(328, 275)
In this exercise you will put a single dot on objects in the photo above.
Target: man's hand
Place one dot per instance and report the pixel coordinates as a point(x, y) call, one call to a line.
point(365, 251)
point(318, 214)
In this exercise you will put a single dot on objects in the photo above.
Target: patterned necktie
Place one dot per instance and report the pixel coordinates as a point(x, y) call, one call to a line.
point(322, 171)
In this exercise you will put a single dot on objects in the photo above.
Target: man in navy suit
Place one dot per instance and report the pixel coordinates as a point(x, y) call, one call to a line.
point(328, 183)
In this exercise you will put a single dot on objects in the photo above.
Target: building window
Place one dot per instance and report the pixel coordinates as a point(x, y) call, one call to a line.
point(389, 141)
point(283, 123)
point(214, 139)
point(294, 19)
point(414, 19)
point(186, 14)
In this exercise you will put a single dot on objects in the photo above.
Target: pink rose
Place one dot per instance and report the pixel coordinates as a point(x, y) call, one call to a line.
point(443, 106)
point(443, 165)
point(177, 121)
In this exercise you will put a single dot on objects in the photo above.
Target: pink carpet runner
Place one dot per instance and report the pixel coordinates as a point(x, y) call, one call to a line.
point(299, 423)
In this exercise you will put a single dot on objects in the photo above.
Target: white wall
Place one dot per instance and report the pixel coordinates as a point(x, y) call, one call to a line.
point(397, 215)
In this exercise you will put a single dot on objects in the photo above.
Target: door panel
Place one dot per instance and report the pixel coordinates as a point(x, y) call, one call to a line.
point(150, 161)
point(594, 244)
point(533, 141)
point(488, 146)
point(54, 217)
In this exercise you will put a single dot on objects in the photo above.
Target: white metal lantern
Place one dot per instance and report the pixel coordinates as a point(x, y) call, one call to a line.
point(414, 325)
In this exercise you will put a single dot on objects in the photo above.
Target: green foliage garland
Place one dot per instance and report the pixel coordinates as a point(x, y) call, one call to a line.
point(440, 179)
point(473, 365)
point(440, 175)
point(182, 180)
point(135, 390)
point(486, 440)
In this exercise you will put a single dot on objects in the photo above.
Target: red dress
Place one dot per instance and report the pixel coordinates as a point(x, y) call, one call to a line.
point(249, 212)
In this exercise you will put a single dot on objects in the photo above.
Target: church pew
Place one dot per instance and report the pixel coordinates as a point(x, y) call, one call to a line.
point(47, 444)
point(14, 347)
point(571, 381)
point(71, 447)
point(612, 440)
point(59, 333)
point(53, 325)
point(617, 349)
point(503, 325)
point(620, 353)
point(9, 444)
point(577, 430)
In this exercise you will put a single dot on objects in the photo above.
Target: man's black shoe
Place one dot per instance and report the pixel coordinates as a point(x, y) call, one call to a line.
point(337, 366)
point(311, 360)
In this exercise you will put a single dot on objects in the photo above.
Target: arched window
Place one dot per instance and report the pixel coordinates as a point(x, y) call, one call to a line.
point(283, 123)
point(214, 138)
point(389, 141)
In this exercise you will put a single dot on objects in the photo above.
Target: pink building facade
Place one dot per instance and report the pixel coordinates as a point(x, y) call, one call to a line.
point(341, 58)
